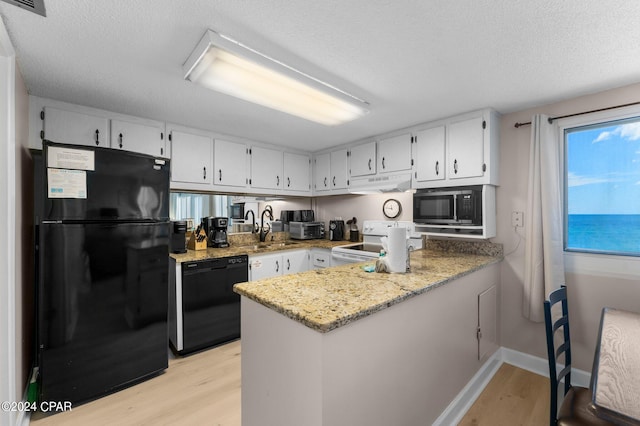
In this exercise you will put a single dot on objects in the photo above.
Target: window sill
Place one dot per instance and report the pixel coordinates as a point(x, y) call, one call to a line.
point(625, 267)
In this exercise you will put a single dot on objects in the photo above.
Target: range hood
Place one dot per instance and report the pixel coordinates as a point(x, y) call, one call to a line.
point(380, 183)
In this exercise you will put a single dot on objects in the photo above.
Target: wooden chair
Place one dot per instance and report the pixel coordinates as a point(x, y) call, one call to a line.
point(577, 407)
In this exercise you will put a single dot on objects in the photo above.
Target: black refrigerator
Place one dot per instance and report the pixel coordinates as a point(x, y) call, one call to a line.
point(102, 235)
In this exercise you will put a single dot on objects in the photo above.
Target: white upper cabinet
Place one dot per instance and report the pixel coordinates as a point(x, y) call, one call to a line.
point(461, 150)
point(338, 160)
point(145, 137)
point(322, 172)
point(297, 172)
point(230, 164)
point(330, 172)
point(266, 168)
point(429, 154)
point(75, 128)
point(191, 158)
point(394, 154)
point(466, 148)
point(363, 160)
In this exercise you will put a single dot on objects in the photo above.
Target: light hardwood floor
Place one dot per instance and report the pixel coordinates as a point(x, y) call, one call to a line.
point(513, 397)
point(200, 389)
point(204, 389)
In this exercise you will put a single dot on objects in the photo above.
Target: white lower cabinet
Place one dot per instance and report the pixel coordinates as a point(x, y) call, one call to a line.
point(263, 266)
point(295, 261)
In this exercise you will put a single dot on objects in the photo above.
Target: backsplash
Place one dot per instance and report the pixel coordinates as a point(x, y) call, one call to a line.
point(484, 248)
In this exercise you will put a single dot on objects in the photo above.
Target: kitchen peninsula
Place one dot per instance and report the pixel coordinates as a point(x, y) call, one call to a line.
point(341, 346)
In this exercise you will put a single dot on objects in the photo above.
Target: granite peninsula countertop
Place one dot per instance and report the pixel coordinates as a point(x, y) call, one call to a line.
point(251, 247)
point(329, 298)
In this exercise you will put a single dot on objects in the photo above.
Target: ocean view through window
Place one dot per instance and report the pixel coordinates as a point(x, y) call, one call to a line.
point(602, 182)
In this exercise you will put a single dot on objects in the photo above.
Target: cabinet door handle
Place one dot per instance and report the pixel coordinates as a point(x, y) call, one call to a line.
point(220, 175)
point(120, 140)
point(383, 162)
point(204, 173)
point(161, 151)
point(334, 181)
point(288, 182)
point(277, 180)
point(455, 166)
point(97, 137)
point(369, 163)
point(320, 260)
point(437, 168)
point(288, 265)
point(277, 266)
point(325, 181)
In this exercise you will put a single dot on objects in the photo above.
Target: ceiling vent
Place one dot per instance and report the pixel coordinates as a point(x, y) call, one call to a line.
point(35, 6)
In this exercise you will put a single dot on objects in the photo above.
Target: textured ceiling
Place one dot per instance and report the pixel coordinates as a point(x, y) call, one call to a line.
point(412, 60)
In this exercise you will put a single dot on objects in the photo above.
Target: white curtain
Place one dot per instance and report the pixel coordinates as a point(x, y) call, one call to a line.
point(544, 261)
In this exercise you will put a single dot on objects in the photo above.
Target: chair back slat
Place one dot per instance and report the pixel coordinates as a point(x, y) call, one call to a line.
point(562, 321)
point(554, 352)
point(562, 349)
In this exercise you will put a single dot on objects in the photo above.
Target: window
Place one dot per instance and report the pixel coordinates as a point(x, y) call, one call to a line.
point(602, 193)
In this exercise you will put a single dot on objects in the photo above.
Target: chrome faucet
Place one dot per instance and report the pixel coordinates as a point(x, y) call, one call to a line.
point(263, 233)
point(253, 220)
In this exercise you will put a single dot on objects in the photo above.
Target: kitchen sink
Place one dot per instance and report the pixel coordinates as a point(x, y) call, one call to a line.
point(269, 245)
point(283, 243)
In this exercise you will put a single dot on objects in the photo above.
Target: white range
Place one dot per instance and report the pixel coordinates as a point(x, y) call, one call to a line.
point(369, 249)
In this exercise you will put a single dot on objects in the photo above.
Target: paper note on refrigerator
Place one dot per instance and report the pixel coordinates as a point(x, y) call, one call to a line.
point(70, 158)
point(64, 183)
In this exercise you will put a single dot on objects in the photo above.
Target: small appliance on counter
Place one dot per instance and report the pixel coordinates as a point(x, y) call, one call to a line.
point(287, 216)
point(303, 216)
point(218, 232)
point(354, 234)
point(336, 230)
point(306, 230)
point(178, 242)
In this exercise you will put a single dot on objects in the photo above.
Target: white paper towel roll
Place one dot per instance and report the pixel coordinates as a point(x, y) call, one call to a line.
point(397, 249)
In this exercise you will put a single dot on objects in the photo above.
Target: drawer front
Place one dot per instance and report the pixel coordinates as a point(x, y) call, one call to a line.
point(321, 259)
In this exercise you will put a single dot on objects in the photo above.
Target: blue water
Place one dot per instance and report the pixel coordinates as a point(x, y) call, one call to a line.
point(605, 233)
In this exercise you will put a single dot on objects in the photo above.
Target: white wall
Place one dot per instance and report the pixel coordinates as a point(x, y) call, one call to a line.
point(9, 387)
point(363, 207)
point(24, 239)
point(588, 291)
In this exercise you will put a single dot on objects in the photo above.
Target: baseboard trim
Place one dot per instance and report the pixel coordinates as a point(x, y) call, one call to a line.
point(468, 395)
point(540, 366)
point(456, 410)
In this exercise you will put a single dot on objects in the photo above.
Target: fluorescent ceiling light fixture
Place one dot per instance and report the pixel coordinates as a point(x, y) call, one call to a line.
point(225, 65)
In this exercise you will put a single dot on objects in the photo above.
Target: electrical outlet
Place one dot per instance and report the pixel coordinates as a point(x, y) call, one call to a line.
point(517, 219)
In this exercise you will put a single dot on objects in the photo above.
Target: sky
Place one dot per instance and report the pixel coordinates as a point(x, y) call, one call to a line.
point(603, 169)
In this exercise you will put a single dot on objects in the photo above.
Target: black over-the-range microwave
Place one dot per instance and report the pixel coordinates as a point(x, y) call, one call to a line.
point(448, 206)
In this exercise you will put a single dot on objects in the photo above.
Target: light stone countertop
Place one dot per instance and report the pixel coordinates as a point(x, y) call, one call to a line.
point(252, 247)
point(329, 298)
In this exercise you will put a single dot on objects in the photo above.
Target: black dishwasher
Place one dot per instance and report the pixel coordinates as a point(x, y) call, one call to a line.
point(210, 310)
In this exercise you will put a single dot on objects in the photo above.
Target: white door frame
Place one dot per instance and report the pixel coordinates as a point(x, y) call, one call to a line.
point(8, 347)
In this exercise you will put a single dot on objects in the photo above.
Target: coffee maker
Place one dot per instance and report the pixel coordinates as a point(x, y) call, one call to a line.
point(218, 232)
